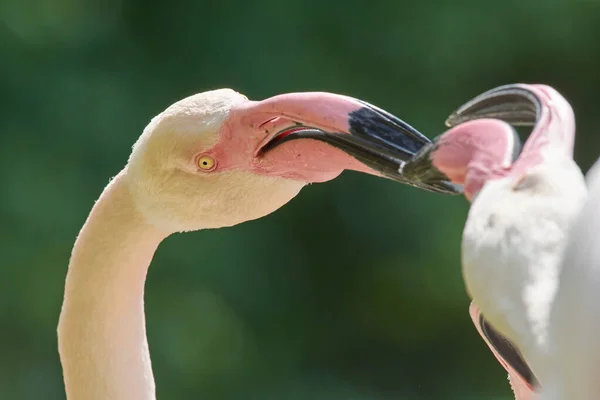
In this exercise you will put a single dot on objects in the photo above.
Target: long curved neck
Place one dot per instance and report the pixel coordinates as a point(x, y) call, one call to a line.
point(101, 332)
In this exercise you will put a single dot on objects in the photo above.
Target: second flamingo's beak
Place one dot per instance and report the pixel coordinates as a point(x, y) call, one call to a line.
point(376, 138)
point(516, 104)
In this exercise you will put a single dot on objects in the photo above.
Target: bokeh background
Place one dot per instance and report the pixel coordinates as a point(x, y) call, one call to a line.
point(352, 291)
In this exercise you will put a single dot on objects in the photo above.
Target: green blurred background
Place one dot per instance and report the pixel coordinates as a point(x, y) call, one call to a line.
point(353, 291)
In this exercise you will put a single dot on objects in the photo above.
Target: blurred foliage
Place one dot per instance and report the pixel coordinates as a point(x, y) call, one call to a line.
point(352, 291)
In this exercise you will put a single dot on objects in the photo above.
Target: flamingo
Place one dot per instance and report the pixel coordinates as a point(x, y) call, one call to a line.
point(211, 160)
point(569, 325)
point(518, 224)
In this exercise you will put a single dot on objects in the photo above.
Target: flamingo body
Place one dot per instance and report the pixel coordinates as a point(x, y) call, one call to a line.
point(513, 243)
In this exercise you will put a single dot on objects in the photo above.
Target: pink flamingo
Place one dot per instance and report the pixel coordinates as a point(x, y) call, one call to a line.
point(518, 225)
point(211, 160)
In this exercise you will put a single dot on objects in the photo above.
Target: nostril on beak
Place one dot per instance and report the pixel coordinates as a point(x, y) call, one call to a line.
point(271, 120)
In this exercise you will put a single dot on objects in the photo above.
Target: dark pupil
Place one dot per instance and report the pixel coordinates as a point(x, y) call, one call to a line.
point(204, 162)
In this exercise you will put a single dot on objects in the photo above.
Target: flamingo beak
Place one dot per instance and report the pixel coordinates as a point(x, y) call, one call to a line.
point(421, 168)
point(516, 104)
point(507, 352)
point(376, 138)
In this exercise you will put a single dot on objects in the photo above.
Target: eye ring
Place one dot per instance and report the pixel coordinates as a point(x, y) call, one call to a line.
point(206, 163)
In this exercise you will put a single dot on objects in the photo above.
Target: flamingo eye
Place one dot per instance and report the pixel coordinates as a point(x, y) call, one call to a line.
point(206, 163)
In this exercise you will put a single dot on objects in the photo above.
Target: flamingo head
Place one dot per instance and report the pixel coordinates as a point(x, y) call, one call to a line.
point(481, 143)
point(468, 154)
point(216, 159)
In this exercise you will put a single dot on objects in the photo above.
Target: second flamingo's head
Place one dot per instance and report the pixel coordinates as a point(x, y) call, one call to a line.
point(468, 154)
point(217, 159)
point(482, 143)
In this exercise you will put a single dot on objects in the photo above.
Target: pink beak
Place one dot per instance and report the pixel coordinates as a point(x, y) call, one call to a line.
point(376, 138)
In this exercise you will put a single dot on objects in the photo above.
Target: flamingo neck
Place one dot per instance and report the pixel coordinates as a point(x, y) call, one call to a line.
point(101, 332)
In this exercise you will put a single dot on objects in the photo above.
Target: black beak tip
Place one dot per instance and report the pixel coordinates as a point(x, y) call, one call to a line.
point(396, 144)
point(421, 172)
point(386, 131)
point(516, 104)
